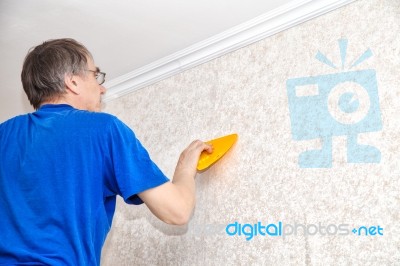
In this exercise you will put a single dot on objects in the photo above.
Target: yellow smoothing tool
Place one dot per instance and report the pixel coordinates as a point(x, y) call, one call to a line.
point(220, 147)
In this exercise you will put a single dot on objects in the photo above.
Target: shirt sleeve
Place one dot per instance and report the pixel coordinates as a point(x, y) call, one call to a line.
point(133, 171)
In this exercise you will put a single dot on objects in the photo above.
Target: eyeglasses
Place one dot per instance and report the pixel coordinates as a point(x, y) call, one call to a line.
point(100, 76)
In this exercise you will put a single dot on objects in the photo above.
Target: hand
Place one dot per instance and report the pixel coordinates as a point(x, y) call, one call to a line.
point(190, 156)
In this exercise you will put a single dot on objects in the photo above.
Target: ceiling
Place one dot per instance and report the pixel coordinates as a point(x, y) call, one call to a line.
point(122, 37)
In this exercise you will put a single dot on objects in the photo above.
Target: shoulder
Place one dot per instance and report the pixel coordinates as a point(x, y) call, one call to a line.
point(100, 116)
point(96, 118)
point(107, 122)
point(111, 120)
point(20, 119)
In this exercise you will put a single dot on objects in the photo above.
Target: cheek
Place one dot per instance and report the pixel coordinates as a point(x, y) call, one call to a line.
point(94, 91)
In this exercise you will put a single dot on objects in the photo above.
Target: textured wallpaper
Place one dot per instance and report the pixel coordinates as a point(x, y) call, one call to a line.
point(314, 178)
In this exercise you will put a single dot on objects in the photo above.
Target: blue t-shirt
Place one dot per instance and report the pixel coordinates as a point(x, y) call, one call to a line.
point(60, 171)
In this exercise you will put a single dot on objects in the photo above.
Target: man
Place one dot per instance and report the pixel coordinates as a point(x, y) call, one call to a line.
point(62, 166)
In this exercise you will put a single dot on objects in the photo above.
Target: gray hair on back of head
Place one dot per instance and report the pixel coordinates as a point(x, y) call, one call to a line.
point(46, 66)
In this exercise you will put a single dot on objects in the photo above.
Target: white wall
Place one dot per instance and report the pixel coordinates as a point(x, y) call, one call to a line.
point(260, 179)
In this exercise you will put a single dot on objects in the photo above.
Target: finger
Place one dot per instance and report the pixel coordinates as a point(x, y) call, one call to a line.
point(208, 148)
point(201, 146)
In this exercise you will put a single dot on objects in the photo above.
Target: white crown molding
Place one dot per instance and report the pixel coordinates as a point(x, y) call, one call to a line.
point(280, 19)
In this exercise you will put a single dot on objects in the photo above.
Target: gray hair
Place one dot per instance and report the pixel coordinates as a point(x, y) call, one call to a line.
point(46, 66)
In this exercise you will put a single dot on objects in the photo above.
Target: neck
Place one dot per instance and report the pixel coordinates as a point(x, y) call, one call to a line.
point(61, 100)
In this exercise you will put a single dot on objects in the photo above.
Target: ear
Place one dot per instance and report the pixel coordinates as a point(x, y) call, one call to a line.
point(72, 84)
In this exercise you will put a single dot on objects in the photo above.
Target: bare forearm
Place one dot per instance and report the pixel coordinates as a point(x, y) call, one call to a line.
point(174, 201)
point(185, 173)
point(184, 182)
